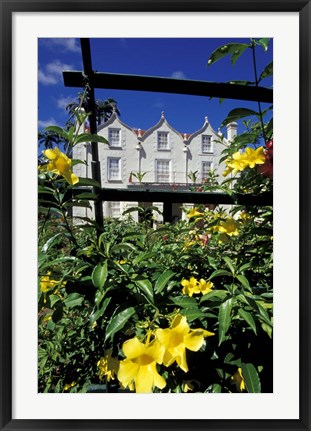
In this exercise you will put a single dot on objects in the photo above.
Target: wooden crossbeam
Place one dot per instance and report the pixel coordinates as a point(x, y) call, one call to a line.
point(169, 85)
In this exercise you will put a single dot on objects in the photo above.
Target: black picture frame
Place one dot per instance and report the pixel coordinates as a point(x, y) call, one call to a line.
point(8, 7)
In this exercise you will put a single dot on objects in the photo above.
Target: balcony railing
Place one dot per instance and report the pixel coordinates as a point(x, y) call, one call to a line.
point(155, 177)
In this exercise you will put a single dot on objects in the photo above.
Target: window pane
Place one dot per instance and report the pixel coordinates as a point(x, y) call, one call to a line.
point(206, 144)
point(114, 137)
point(115, 208)
point(206, 167)
point(163, 141)
point(163, 171)
point(114, 168)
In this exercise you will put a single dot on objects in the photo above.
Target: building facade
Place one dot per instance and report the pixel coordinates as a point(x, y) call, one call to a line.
point(160, 158)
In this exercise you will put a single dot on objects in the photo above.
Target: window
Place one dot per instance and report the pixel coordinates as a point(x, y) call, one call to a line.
point(115, 209)
point(162, 171)
point(163, 143)
point(114, 136)
point(206, 168)
point(114, 168)
point(207, 144)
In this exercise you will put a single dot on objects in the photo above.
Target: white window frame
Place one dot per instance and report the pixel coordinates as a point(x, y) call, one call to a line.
point(111, 130)
point(208, 144)
point(159, 173)
point(167, 147)
point(114, 209)
point(204, 174)
point(109, 172)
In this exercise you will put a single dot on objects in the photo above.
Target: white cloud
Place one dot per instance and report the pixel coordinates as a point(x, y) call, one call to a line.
point(66, 44)
point(63, 101)
point(46, 79)
point(52, 73)
point(179, 74)
point(45, 123)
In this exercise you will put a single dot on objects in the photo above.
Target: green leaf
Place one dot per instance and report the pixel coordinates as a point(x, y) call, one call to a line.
point(51, 241)
point(145, 286)
point(267, 329)
point(238, 52)
point(123, 246)
point(243, 280)
point(251, 378)
point(230, 264)
point(268, 71)
point(269, 129)
point(237, 114)
point(88, 182)
point(185, 301)
point(100, 274)
point(75, 162)
point(73, 300)
point(264, 42)
point(220, 294)
point(98, 313)
point(57, 261)
point(163, 280)
point(59, 131)
point(218, 273)
point(118, 322)
point(87, 137)
point(248, 319)
point(86, 195)
point(224, 318)
point(143, 257)
point(245, 266)
point(215, 388)
point(233, 49)
point(192, 313)
point(53, 299)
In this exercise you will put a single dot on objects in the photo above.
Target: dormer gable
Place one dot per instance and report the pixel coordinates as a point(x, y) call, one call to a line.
point(158, 126)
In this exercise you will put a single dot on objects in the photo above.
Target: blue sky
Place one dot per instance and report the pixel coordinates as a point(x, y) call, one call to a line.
point(175, 57)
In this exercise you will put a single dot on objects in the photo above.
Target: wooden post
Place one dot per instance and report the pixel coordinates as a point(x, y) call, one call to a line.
point(95, 165)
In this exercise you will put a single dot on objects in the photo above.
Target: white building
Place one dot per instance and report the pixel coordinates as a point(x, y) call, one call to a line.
point(160, 157)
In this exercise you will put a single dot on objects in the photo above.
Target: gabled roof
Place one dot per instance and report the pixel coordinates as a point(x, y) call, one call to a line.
point(205, 126)
point(158, 126)
point(111, 120)
point(143, 134)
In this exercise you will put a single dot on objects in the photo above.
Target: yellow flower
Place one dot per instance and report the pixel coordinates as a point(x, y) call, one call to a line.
point(177, 339)
point(249, 159)
point(60, 164)
point(229, 226)
point(237, 163)
point(205, 286)
point(108, 366)
point(187, 386)
point(227, 171)
point(244, 216)
point(238, 380)
point(47, 284)
point(140, 365)
point(254, 157)
point(194, 213)
point(69, 386)
point(190, 286)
